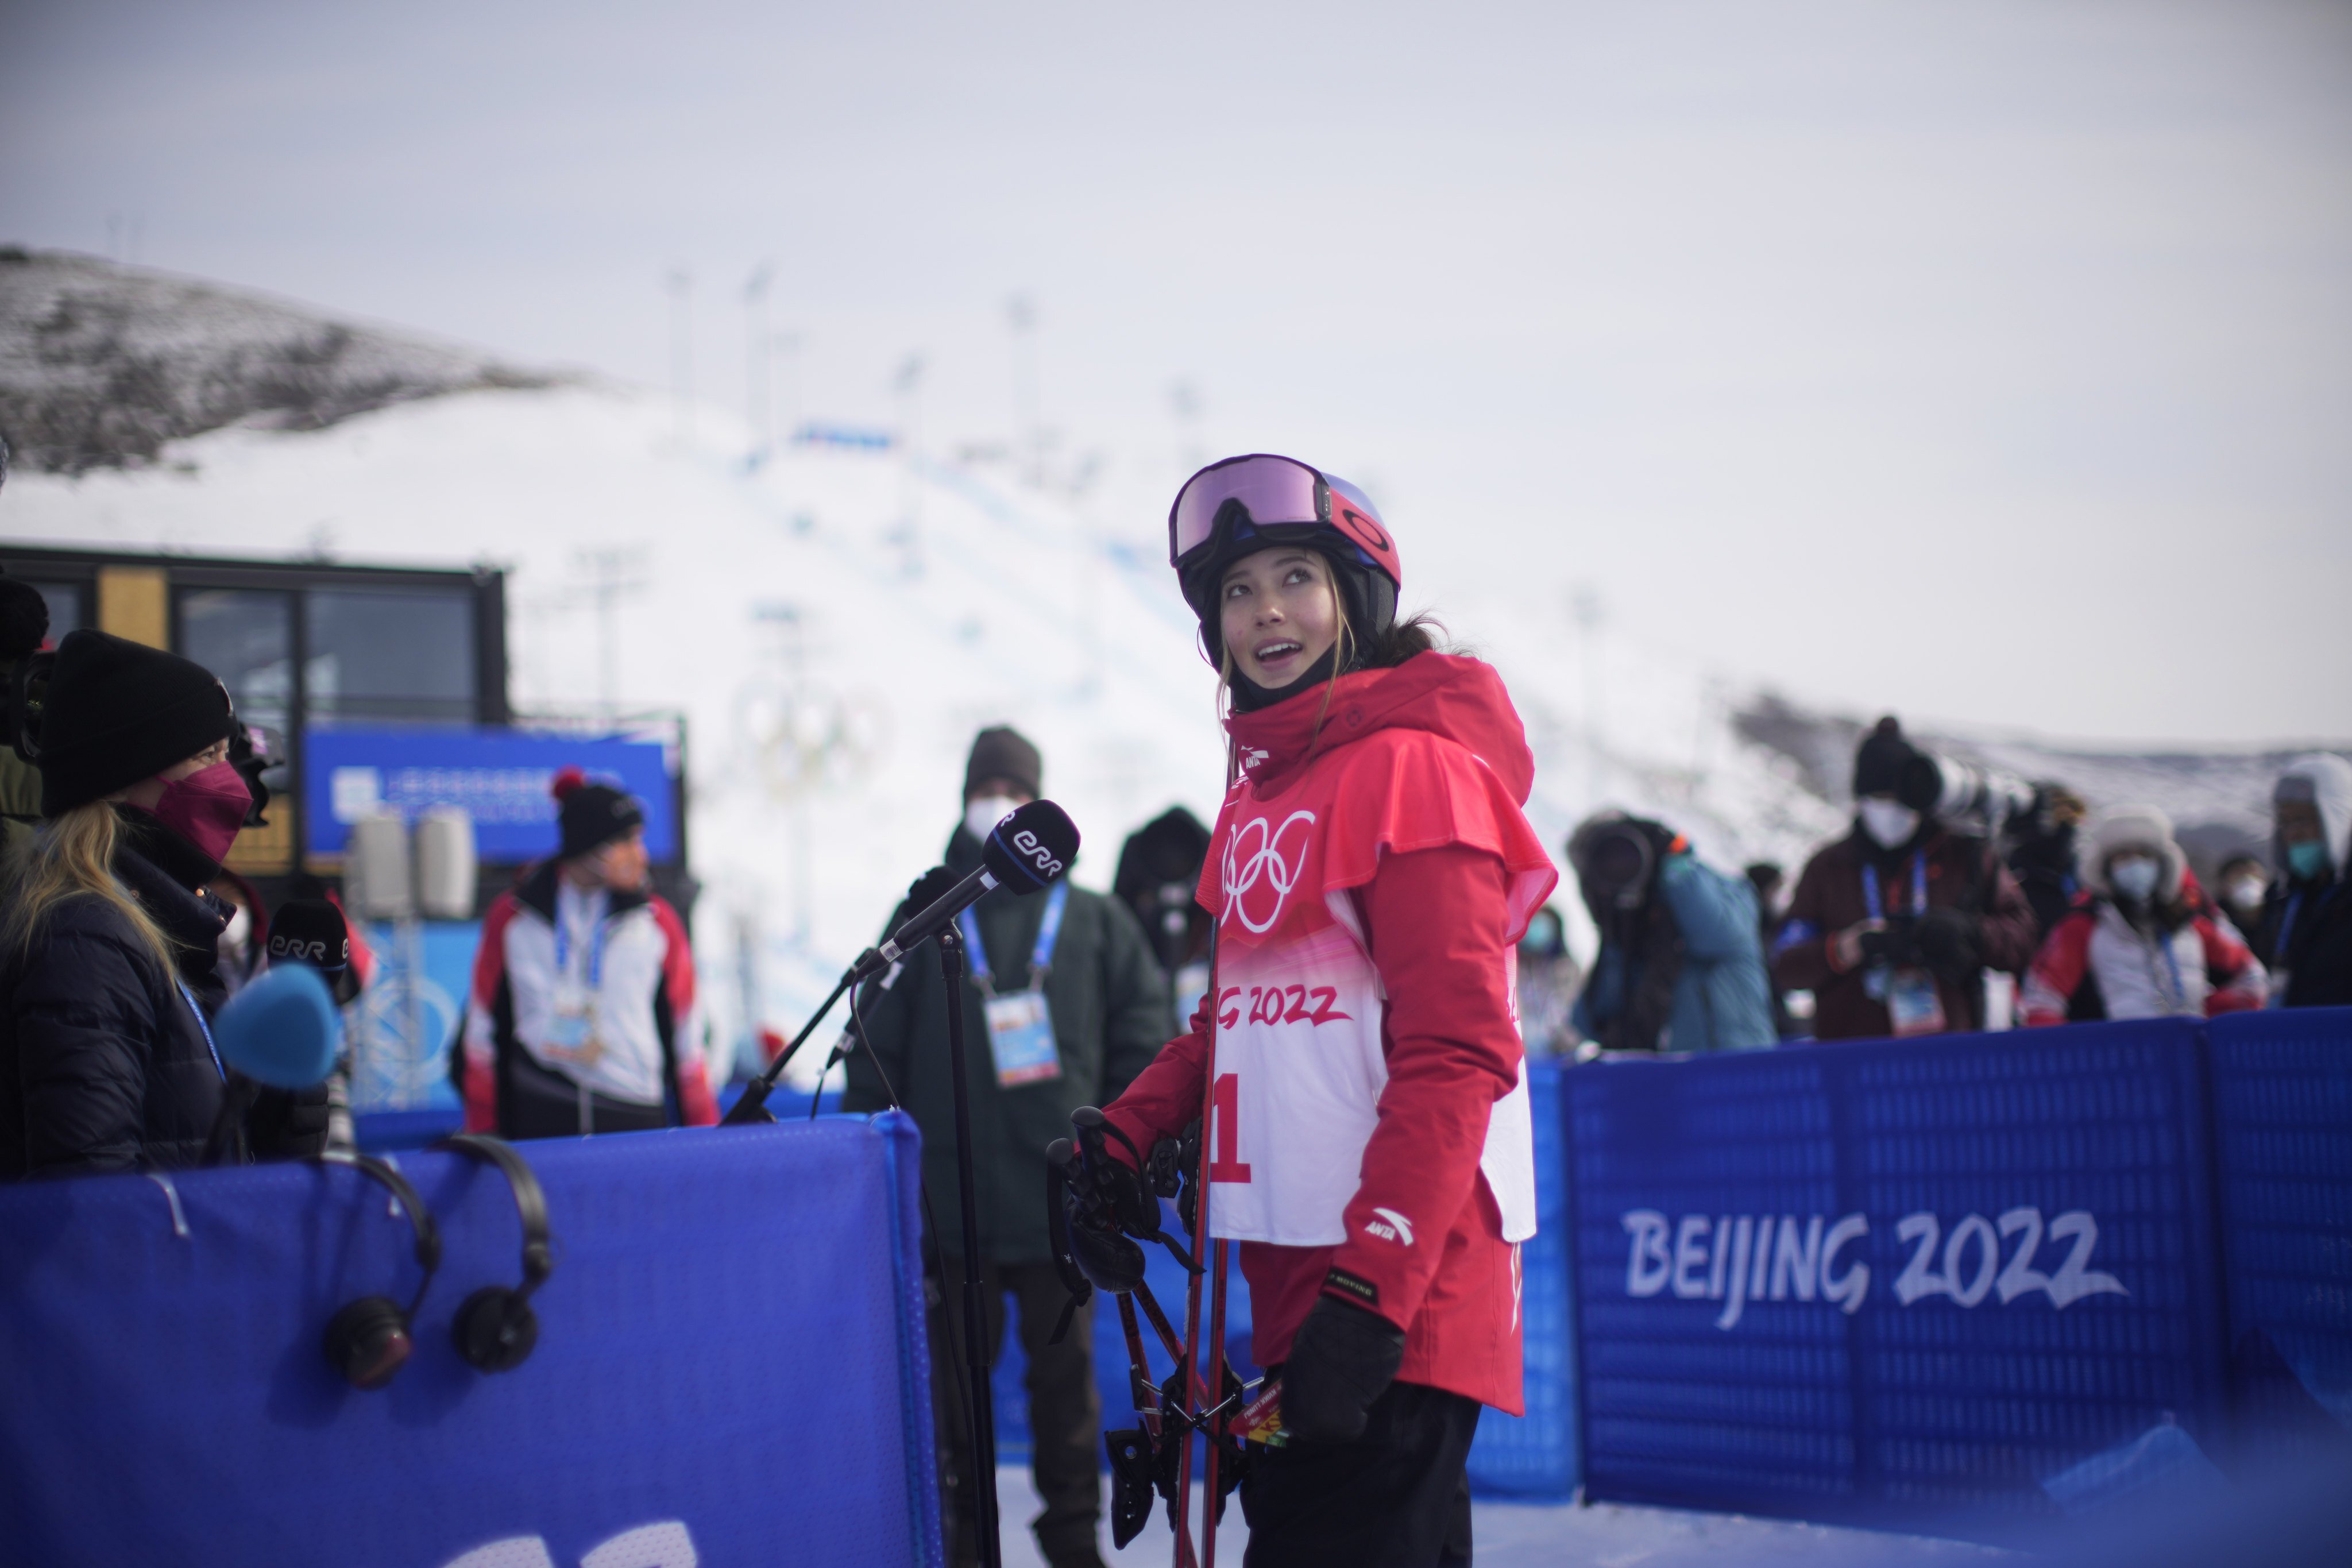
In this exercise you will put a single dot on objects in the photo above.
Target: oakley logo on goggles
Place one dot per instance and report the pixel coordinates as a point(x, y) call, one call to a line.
point(1271, 494)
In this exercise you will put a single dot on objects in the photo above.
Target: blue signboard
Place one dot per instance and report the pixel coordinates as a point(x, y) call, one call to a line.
point(1885, 1283)
point(501, 776)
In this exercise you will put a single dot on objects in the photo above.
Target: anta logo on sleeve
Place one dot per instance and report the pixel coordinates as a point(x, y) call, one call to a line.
point(1390, 1225)
point(1262, 865)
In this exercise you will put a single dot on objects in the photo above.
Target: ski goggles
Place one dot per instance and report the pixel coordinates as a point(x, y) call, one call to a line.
point(1278, 497)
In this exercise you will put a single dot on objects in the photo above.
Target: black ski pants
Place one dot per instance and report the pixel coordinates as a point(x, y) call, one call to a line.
point(1397, 1497)
point(1066, 1448)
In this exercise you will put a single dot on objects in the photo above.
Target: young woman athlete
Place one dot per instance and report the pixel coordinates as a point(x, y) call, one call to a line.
point(1371, 1147)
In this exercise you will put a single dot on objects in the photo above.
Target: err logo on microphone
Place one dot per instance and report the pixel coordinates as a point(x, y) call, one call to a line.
point(1036, 853)
point(1261, 866)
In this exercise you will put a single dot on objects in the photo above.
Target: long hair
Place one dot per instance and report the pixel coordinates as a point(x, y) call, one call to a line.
point(1395, 643)
point(72, 857)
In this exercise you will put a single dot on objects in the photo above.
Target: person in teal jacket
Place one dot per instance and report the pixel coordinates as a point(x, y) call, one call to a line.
point(1681, 965)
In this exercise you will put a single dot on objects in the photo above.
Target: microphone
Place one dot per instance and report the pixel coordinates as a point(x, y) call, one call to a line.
point(282, 1029)
point(314, 932)
point(1025, 852)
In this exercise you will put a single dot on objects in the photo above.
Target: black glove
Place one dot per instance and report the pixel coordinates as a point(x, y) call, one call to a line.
point(1947, 940)
point(1343, 1358)
point(1083, 1215)
point(1896, 946)
point(288, 1123)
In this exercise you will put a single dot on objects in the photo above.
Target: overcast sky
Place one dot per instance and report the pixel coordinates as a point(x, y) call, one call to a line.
point(1987, 362)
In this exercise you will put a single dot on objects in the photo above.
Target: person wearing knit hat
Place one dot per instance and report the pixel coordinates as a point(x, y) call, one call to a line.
point(1894, 927)
point(1063, 1003)
point(2147, 943)
point(108, 942)
point(583, 1017)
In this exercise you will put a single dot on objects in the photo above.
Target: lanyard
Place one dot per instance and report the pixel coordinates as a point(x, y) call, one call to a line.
point(1871, 899)
point(208, 1029)
point(595, 951)
point(1040, 961)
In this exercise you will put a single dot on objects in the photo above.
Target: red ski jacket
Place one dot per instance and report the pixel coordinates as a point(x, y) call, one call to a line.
point(1371, 872)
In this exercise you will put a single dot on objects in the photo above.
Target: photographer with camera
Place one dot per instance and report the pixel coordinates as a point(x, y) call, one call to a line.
point(2146, 944)
point(108, 942)
point(1893, 927)
point(1681, 965)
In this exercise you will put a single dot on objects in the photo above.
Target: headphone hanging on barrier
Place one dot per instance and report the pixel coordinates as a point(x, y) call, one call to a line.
point(369, 1339)
point(496, 1327)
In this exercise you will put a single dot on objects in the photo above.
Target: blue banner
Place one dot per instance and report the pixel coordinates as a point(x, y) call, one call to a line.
point(730, 1364)
point(2282, 1124)
point(501, 776)
point(1893, 1283)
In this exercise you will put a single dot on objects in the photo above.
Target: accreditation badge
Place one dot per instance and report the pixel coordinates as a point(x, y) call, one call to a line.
point(1021, 1038)
point(572, 1027)
point(1913, 1004)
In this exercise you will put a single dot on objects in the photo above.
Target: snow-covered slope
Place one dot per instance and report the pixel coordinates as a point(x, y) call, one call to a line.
point(835, 624)
point(101, 364)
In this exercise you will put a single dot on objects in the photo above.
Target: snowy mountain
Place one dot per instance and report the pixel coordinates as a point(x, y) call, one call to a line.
point(836, 621)
point(101, 364)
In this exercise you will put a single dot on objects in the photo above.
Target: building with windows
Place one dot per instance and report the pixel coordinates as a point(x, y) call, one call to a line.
point(300, 645)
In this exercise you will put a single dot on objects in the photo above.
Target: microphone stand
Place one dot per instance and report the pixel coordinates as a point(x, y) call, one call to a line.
point(752, 1107)
point(983, 1411)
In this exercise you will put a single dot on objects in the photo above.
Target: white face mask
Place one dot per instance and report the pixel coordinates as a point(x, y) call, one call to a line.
point(984, 811)
point(2134, 877)
point(2247, 892)
point(1888, 823)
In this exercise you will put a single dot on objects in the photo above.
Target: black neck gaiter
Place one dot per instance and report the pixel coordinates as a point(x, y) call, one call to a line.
point(1249, 696)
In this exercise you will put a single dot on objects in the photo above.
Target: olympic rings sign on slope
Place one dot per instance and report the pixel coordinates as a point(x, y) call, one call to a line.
point(1245, 868)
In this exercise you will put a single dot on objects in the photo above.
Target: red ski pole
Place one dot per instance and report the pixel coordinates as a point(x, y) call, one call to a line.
point(1194, 1388)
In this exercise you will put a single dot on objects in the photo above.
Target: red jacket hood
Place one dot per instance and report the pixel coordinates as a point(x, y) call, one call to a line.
point(1460, 698)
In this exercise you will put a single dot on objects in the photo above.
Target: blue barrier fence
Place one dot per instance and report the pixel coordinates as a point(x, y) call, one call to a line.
point(731, 1365)
point(1922, 1283)
point(2283, 1126)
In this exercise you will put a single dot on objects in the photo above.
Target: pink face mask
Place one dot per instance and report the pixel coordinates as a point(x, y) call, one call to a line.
point(206, 808)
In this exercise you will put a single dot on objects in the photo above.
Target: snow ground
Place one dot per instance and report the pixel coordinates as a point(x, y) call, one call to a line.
point(1522, 1535)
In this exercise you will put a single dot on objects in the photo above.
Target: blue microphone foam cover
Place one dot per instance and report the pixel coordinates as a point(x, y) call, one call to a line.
point(282, 1029)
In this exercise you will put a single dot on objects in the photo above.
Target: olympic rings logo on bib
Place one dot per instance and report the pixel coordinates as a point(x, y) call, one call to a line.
point(1251, 865)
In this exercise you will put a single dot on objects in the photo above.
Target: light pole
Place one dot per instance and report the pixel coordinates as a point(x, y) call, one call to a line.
point(1021, 314)
point(681, 348)
point(755, 369)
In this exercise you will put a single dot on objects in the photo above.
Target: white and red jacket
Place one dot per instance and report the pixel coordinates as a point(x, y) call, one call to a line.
point(1373, 873)
point(2196, 970)
point(626, 953)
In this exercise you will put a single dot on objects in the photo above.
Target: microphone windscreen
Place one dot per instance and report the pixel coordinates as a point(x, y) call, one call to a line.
point(282, 1029)
point(313, 932)
point(1030, 848)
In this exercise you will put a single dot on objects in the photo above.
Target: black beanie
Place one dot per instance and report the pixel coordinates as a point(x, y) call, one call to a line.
point(1003, 752)
point(591, 814)
point(1879, 765)
point(118, 711)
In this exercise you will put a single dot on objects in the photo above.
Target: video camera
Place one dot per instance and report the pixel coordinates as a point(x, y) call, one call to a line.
point(1961, 795)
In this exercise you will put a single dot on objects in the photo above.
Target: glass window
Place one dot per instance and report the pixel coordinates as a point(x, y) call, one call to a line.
point(245, 637)
point(389, 653)
point(65, 608)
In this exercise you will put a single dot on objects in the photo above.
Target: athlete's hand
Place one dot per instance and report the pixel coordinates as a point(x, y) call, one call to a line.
point(1343, 1358)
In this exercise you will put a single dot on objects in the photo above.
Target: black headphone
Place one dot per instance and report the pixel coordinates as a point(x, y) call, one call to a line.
point(369, 1341)
point(496, 1327)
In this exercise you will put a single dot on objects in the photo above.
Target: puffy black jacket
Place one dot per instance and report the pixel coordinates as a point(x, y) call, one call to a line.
point(103, 1063)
